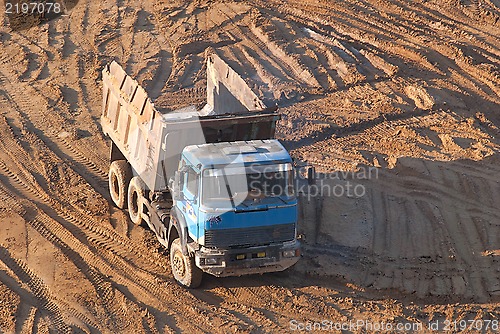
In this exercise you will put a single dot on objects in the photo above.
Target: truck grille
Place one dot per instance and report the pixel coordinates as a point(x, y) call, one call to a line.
point(250, 236)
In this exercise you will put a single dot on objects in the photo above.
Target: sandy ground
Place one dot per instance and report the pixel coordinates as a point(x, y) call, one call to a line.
point(399, 99)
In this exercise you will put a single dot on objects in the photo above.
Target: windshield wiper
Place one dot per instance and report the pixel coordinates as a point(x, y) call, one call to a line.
point(228, 189)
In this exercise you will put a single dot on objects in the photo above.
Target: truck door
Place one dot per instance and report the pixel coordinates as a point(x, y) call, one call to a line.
point(191, 201)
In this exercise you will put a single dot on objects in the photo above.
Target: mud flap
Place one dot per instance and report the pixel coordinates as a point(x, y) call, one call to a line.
point(178, 222)
point(115, 153)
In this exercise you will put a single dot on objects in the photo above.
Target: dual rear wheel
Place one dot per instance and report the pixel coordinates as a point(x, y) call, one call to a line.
point(119, 177)
point(136, 196)
point(126, 190)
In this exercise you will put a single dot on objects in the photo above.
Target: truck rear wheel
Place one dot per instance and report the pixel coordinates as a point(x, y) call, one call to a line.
point(119, 177)
point(136, 194)
point(185, 272)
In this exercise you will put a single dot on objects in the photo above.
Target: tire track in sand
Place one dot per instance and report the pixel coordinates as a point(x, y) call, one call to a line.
point(39, 289)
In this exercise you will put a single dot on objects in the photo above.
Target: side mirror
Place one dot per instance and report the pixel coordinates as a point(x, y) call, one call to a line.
point(176, 186)
point(311, 176)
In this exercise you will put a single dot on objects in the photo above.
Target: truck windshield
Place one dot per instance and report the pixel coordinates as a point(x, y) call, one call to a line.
point(231, 186)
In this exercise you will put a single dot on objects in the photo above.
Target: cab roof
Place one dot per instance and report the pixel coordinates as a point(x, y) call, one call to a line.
point(253, 151)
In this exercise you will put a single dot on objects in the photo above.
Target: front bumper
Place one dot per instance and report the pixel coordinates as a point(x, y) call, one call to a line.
point(246, 261)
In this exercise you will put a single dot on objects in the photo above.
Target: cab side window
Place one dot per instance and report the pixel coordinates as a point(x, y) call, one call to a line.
point(191, 182)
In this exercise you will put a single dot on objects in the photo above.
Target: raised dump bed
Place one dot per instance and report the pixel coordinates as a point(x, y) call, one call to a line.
point(152, 140)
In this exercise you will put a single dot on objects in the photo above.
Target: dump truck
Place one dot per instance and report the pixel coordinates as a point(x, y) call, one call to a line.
point(212, 184)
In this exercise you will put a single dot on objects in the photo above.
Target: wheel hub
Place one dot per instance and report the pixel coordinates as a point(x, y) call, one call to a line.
point(114, 182)
point(178, 263)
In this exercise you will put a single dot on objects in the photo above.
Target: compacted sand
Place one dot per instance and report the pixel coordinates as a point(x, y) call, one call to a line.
point(398, 100)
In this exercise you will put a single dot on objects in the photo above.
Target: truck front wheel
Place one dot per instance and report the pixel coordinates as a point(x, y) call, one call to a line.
point(119, 177)
point(185, 272)
point(136, 194)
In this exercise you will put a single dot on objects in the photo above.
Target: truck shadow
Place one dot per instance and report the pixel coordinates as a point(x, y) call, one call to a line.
point(424, 228)
point(423, 231)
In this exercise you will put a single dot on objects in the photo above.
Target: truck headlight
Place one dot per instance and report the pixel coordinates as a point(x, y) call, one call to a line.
point(211, 260)
point(289, 253)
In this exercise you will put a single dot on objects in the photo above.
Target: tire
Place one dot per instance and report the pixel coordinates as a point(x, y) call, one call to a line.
point(135, 196)
point(185, 272)
point(119, 177)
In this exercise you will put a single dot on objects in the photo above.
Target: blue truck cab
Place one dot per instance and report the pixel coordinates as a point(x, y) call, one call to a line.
point(237, 203)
